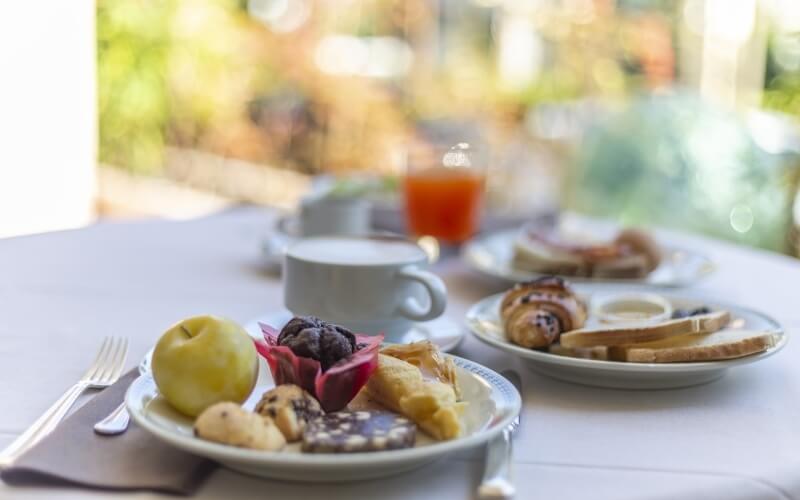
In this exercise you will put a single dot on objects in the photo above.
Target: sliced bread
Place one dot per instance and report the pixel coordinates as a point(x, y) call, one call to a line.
point(622, 335)
point(530, 255)
point(597, 352)
point(722, 344)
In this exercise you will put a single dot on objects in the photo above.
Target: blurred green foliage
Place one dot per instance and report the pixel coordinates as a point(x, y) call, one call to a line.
point(133, 44)
point(178, 73)
point(675, 161)
point(783, 94)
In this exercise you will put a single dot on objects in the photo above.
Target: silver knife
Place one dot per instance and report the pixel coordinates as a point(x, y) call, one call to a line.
point(496, 482)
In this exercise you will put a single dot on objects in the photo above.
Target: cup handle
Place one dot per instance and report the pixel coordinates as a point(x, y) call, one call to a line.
point(287, 224)
point(411, 308)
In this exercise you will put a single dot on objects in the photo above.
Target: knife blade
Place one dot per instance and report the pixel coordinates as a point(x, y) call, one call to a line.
point(496, 482)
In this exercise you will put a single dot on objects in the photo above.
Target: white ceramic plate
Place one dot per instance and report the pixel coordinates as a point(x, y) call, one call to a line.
point(492, 403)
point(483, 320)
point(492, 254)
point(443, 331)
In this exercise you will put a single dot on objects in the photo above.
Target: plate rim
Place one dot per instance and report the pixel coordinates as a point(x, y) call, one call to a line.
point(622, 366)
point(226, 453)
point(469, 249)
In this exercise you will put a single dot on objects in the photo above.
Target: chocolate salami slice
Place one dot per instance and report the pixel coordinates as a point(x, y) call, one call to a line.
point(358, 431)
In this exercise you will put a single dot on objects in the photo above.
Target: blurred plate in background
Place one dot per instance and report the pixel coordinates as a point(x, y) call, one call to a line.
point(493, 254)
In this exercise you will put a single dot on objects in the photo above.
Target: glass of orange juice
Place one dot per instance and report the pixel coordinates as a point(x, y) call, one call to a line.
point(443, 193)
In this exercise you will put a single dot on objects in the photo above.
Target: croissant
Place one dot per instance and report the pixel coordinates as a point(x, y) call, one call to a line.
point(537, 312)
point(640, 243)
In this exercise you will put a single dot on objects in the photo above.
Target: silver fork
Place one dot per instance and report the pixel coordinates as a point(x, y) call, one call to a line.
point(496, 482)
point(105, 370)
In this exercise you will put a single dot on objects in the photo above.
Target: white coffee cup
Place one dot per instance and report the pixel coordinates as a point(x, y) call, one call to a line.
point(328, 215)
point(370, 285)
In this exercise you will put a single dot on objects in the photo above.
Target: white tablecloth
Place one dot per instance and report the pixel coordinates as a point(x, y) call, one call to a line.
point(736, 438)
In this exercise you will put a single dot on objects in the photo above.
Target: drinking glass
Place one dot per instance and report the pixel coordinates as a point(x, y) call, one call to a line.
point(443, 190)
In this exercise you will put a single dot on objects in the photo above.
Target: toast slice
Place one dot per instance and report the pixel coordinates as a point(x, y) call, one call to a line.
point(722, 344)
point(535, 257)
point(597, 352)
point(622, 335)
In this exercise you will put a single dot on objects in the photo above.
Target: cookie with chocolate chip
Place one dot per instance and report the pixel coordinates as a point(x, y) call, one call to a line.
point(358, 431)
point(291, 408)
point(228, 423)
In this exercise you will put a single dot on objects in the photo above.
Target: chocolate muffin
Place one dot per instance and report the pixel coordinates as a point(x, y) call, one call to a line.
point(310, 337)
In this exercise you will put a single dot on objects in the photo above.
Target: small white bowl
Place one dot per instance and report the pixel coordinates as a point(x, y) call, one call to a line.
point(631, 308)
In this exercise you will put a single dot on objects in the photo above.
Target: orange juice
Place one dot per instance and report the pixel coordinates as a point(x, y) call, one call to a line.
point(444, 203)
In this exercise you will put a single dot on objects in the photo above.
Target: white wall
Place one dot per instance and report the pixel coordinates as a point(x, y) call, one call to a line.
point(48, 115)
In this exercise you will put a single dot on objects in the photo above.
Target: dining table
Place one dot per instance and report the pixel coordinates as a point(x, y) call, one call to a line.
point(738, 437)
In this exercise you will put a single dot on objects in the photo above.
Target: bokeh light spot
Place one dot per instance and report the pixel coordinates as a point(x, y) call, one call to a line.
point(741, 218)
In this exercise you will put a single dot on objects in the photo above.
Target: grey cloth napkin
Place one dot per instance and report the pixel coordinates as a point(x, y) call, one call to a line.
point(74, 455)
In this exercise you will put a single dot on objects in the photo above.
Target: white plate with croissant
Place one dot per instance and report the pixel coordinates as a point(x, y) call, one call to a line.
point(599, 337)
point(487, 403)
point(584, 250)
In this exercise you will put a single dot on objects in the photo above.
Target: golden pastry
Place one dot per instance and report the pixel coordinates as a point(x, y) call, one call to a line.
point(638, 242)
point(431, 404)
point(427, 357)
point(537, 312)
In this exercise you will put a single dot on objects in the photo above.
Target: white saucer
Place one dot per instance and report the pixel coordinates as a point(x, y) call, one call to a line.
point(483, 320)
point(443, 331)
point(492, 403)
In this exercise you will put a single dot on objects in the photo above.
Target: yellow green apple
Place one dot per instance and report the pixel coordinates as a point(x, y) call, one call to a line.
point(204, 360)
